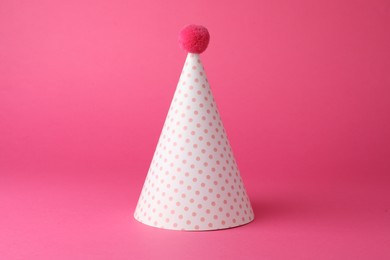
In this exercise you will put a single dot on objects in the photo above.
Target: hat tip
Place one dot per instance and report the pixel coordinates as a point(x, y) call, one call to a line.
point(194, 38)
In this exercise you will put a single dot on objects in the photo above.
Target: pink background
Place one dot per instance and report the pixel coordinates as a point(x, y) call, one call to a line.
point(303, 90)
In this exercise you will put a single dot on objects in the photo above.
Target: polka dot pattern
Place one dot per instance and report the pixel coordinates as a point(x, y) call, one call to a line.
point(193, 181)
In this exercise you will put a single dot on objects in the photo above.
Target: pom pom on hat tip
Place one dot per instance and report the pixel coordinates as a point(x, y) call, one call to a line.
point(194, 38)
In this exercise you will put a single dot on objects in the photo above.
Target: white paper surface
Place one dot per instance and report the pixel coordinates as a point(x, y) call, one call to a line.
point(193, 181)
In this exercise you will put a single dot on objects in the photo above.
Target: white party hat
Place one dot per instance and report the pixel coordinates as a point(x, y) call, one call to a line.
point(193, 181)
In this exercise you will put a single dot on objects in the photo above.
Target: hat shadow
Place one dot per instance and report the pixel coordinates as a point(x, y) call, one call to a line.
point(267, 209)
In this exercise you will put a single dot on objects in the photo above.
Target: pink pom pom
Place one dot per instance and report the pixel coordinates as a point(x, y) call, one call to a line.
point(194, 38)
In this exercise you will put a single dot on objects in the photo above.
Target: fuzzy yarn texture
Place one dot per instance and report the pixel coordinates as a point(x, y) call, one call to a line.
point(194, 38)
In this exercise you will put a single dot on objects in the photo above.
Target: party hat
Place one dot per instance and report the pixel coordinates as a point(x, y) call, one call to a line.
point(193, 181)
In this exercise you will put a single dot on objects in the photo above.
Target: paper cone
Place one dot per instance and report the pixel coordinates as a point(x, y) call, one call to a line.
point(193, 182)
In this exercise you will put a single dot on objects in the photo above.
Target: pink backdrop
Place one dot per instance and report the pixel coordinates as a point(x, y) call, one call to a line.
point(302, 88)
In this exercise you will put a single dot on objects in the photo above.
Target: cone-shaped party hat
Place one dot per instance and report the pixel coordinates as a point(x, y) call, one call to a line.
point(193, 181)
